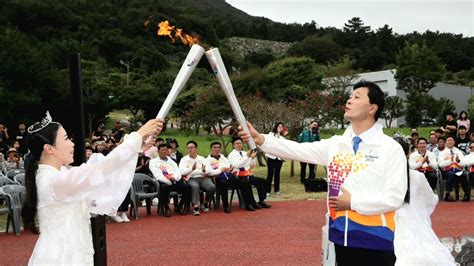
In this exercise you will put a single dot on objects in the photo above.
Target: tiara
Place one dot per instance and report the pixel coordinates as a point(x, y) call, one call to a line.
point(42, 124)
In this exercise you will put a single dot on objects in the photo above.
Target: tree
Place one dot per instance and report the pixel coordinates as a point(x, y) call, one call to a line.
point(282, 74)
point(418, 71)
point(445, 106)
point(394, 108)
point(321, 49)
point(470, 106)
point(339, 77)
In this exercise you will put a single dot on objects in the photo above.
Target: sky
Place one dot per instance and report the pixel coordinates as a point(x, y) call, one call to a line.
point(403, 16)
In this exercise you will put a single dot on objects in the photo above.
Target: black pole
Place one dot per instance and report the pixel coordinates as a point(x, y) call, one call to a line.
point(78, 132)
point(77, 114)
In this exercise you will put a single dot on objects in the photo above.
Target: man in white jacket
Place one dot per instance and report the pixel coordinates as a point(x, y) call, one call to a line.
point(243, 162)
point(167, 173)
point(425, 162)
point(193, 167)
point(451, 162)
point(218, 167)
point(367, 178)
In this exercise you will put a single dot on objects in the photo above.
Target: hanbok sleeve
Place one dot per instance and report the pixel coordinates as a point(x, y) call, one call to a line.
point(104, 182)
point(426, 198)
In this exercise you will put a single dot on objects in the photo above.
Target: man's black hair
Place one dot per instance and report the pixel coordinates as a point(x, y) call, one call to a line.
point(215, 143)
point(375, 94)
point(192, 142)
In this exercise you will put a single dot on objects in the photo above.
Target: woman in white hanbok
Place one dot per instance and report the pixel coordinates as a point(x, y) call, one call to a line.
point(64, 197)
point(415, 241)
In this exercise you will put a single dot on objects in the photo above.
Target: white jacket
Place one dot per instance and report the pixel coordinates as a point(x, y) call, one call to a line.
point(214, 166)
point(241, 163)
point(186, 166)
point(444, 159)
point(416, 159)
point(163, 170)
point(376, 177)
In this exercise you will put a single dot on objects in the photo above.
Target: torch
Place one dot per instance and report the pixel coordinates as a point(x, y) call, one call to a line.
point(189, 64)
point(184, 73)
point(215, 59)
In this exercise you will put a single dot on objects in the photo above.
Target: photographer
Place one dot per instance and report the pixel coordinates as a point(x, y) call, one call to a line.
point(309, 135)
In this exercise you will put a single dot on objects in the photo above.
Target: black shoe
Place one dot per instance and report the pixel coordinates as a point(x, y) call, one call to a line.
point(448, 198)
point(250, 208)
point(264, 205)
point(167, 212)
point(255, 206)
point(227, 210)
point(466, 199)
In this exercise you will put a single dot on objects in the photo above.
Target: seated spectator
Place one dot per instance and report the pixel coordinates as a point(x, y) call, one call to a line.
point(167, 172)
point(219, 167)
point(425, 162)
point(192, 167)
point(89, 152)
point(99, 145)
point(150, 149)
point(97, 134)
point(17, 147)
point(462, 140)
point(471, 140)
point(159, 141)
point(433, 142)
point(441, 146)
point(143, 164)
point(243, 162)
point(174, 153)
point(118, 131)
point(464, 121)
point(469, 163)
point(14, 160)
point(449, 160)
point(110, 145)
point(414, 141)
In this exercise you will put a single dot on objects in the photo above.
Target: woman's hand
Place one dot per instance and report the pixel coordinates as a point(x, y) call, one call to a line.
point(152, 127)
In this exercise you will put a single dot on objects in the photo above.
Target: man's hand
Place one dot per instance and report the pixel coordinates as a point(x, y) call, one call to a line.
point(225, 169)
point(257, 137)
point(341, 203)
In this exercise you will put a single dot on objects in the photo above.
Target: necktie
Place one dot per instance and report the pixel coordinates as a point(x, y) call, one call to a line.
point(240, 153)
point(356, 140)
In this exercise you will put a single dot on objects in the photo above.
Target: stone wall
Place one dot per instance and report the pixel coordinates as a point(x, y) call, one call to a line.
point(245, 46)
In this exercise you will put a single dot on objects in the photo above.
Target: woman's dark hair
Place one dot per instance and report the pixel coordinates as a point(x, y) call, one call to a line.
point(406, 149)
point(35, 144)
point(275, 128)
point(460, 115)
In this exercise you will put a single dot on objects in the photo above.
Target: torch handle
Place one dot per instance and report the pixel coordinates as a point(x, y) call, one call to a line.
point(217, 64)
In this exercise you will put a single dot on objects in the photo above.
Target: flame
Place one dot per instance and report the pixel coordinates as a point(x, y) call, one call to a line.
point(164, 29)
